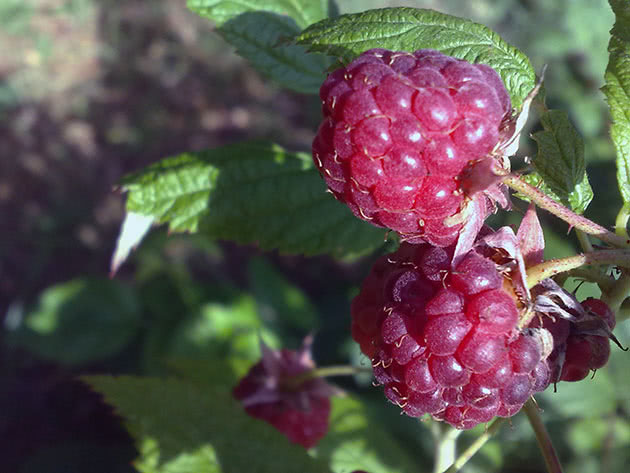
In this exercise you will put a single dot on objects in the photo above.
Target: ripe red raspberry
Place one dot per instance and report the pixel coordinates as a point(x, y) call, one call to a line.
point(399, 128)
point(268, 392)
point(586, 351)
point(444, 340)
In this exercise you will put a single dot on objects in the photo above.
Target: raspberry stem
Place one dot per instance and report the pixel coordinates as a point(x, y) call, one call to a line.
point(542, 436)
point(574, 220)
point(596, 275)
point(585, 241)
point(624, 311)
point(550, 268)
point(445, 439)
point(476, 445)
point(619, 293)
point(294, 382)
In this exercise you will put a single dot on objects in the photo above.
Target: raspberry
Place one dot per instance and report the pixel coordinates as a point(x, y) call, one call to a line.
point(600, 309)
point(299, 411)
point(445, 341)
point(586, 351)
point(399, 130)
point(581, 338)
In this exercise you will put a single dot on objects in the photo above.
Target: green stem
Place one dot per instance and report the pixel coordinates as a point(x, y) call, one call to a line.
point(445, 440)
point(550, 268)
point(574, 220)
point(621, 222)
point(618, 294)
point(542, 436)
point(476, 446)
point(585, 241)
point(624, 311)
point(596, 275)
point(325, 372)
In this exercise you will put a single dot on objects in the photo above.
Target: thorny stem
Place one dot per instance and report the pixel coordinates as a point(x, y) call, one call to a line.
point(550, 268)
point(621, 223)
point(574, 220)
point(325, 372)
point(542, 436)
point(476, 445)
point(445, 440)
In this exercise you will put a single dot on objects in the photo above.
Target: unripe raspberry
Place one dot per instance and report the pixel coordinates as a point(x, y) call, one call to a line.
point(267, 392)
point(399, 128)
point(435, 347)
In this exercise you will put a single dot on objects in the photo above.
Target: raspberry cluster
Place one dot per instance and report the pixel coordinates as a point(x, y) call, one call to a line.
point(300, 411)
point(398, 130)
point(411, 142)
point(444, 340)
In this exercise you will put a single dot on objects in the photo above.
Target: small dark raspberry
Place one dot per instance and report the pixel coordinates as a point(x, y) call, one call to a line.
point(399, 129)
point(586, 351)
point(268, 392)
point(600, 309)
point(577, 359)
point(445, 341)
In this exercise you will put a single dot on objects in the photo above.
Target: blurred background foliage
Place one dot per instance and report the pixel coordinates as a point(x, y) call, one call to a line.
point(91, 90)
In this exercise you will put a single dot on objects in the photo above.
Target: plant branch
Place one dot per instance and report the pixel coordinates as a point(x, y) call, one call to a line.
point(542, 436)
point(325, 372)
point(574, 220)
point(445, 440)
point(618, 294)
point(591, 274)
point(476, 445)
point(624, 311)
point(585, 241)
point(550, 268)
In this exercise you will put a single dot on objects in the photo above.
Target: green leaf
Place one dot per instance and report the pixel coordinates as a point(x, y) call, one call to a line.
point(617, 92)
point(279, 302)
point(410, 29)
point(221, 330)
point(304, 12)
point(215, 372)
point(257, 35)
point(560, 162)
point(354, 442)
point(257, 28)
point(250, 193)
point(80, 321)
point(181, 427)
